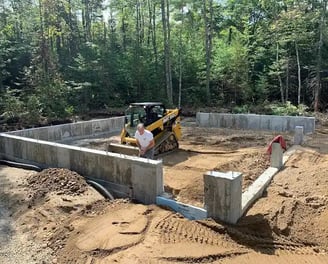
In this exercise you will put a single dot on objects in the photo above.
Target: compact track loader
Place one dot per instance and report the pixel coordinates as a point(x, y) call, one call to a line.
point(163, 123)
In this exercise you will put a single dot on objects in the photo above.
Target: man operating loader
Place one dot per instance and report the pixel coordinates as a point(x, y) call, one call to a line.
point(145, 142)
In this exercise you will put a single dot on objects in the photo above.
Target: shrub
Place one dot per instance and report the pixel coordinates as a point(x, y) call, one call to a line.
point(287, 109)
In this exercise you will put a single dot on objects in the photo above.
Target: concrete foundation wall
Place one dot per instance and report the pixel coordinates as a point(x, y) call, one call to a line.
point(73, 130)
point(255, 122)
point(144, 177)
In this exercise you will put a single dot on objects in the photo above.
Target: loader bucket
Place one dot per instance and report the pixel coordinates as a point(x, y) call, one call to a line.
point(123, 149)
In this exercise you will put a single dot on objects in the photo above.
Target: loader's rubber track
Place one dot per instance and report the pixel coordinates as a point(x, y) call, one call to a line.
point(167, 143)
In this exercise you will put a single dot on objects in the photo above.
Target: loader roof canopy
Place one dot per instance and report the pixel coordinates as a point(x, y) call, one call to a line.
point(146, 104)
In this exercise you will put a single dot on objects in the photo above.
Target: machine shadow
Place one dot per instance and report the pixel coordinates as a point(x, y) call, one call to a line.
point(255, 232)
point(176, 157)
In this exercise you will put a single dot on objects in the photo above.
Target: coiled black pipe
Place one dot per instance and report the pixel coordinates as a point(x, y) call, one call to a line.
point(103, 191)
point(20, 165)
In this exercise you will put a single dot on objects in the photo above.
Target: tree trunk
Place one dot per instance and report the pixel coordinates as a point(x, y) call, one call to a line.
point(298, 74)
point(154, 35)
point(123, 30)
point(87, 20)
point(287, 79)
point(150, 22)
point(317, 88)
point(169, 49)
point(180, 58)
point(105, 32)
point(168, 77)
point(44, 52)
point(208, 44)
point(137, 48)
point(142, 22)
point(138, 30)
point(279, 77)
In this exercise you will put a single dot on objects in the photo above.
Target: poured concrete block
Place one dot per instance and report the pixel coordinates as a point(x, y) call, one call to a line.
point(279, 123)
point(213, 120)
point(66, 131)
point(119, 123)
point(96, 127)
point(202, 119)
point(234, 121)
point(298, 137)
point(241, 121)
point(87, 128)
point(308, 124)
point(54, 134)
point(41, 134)
point(63, 157)
point(265, 122)
point(147, 184)
point(253, 122)
point(227, 119)
point(223, 192)
point(276, 156)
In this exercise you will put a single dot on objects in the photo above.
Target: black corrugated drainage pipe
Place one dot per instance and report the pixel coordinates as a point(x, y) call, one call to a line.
point(20, 165)
point(101, 189)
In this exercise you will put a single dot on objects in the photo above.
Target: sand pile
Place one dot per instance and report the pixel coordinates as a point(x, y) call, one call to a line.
point(252, 165)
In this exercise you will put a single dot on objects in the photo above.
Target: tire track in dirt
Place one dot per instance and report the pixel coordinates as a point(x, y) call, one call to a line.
point(265, 243)
point(174, 229)
point(205, 259)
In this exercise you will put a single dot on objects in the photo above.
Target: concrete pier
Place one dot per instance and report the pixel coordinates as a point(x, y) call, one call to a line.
point(223, 192)
point(276, 156)
point(298, 137)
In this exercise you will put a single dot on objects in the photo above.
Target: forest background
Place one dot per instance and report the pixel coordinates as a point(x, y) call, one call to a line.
point(60, 58)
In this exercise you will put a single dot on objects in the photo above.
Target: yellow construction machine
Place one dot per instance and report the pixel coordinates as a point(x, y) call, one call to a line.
point(163, 123)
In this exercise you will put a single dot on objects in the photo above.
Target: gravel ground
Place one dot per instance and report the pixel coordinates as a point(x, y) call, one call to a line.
point(15, 247)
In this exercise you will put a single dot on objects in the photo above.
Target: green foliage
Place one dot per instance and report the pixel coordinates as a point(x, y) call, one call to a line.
point(53, 99)
point(33, 110)
point(243, 109)
point(12, 106)
point(287, 109)
point(272, 109)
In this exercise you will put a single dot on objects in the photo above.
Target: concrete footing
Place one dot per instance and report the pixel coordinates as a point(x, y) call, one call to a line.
point(188, 211)
point(223, 193)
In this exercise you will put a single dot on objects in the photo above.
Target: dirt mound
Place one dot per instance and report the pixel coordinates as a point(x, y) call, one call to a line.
point(61, 181)
point(296, 205)
point(251, 165)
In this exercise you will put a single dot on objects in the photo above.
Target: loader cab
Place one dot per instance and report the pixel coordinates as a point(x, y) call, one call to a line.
point(146, 113)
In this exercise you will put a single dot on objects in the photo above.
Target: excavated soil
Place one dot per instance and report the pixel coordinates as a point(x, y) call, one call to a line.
point(60, 181)
point(288, 225)
point(206, 149)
